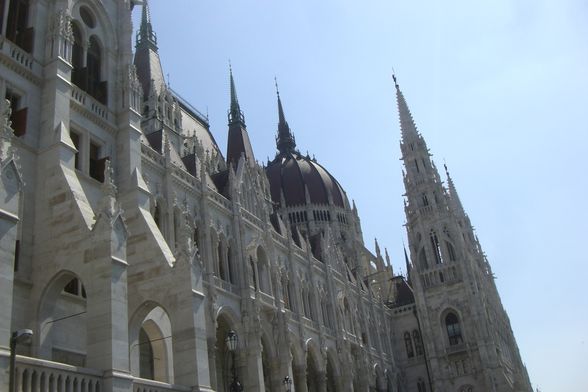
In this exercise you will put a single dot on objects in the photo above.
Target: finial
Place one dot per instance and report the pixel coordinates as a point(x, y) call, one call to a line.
point(394, 77)
point(277, 88)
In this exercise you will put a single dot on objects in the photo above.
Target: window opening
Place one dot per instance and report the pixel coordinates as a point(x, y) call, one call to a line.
point(75, 138)
point(418, 343)
point(16, 26)
point(436, 248)
point(453, 329)
point(408, 345)
point(18, 115)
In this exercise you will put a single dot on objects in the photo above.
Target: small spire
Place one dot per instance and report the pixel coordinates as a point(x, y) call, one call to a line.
point(408, 265)
point(146, 33)
point(285, 141)
point(453, 192)
point(235, 113)
point(378, 252)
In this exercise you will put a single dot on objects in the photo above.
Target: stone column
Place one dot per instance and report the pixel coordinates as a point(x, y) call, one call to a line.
point(322, 381)
point(300, 378)
point(107, 307)
point(9, 202)
point(212, 362)
point(253, 379)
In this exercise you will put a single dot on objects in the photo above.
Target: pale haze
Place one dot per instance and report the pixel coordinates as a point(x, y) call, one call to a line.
point(497, 88)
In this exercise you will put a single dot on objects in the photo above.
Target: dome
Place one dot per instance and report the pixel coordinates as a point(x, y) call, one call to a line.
point(290, 173)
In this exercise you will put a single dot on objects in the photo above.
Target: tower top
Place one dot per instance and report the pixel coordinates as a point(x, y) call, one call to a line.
point(285, 141)
point(407, 125)
point(235, 113)
point(146, 35)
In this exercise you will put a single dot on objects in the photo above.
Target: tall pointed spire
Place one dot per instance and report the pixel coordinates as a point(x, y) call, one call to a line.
point(146, 35)
point(147, 61)
point(238, 143)
point(407, 125)
point(235, 113)
point(408, 266)
point(285, 141)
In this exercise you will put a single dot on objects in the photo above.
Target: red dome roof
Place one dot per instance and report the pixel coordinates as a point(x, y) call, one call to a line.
point(291, 172)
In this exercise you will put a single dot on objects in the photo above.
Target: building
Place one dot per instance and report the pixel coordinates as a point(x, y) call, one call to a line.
point(132, 246)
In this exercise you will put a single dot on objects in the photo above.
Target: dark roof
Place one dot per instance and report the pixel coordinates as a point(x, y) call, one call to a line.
point(403, 294)
point(290, 172)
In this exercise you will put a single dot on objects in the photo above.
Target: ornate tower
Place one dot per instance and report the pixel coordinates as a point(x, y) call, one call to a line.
point(467, 335)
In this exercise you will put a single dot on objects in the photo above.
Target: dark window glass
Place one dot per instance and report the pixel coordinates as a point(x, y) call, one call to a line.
point(453, 329)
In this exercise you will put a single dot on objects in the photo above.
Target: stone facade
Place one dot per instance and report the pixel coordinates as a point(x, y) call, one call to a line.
point(131, 245)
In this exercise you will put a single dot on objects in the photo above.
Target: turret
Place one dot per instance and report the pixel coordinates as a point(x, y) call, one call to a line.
point(238, 143)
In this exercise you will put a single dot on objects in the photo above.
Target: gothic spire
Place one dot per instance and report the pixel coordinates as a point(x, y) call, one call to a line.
point(235, 113)
point(285, 141)
point(238, 143)
point(407, 125)
point(408, 267)
point(146, 35)
point(455, 201)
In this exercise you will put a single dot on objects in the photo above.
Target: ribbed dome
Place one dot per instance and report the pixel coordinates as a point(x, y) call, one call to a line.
point(290, 172)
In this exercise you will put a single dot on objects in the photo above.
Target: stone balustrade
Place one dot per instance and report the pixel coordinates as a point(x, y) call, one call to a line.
point(37, 375)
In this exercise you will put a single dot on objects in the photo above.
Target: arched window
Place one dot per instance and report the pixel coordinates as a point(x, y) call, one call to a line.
point(450, 251)
point(408, 345)
point(230, 271)
point(421, 387)
point(17, 29)
point(436, 248)
point(96, 87)
point(252, 277)
point(453, 329)
point(423, 259)
point(418, 343)
point(146, 362)
point(221, 262)
point(285, 293)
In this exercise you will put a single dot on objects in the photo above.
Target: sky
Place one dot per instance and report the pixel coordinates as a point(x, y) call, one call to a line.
point(498, 89)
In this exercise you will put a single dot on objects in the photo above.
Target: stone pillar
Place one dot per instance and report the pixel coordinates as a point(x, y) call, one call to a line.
point(300, 378)
point(9, 202)
point(253, 379)
point(212, 362)
point(322, 381)
point(190, 346)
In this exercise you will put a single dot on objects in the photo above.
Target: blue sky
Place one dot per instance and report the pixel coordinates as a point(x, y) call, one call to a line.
point(498, 89)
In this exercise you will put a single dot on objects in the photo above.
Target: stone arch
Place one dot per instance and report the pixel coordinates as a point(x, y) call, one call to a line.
point(226, 320)
point(151, 343)
point(315, 367)
point(214, 244)
point(104, 26)
point(64, 308)
point(379, 382)
point(268, 360)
